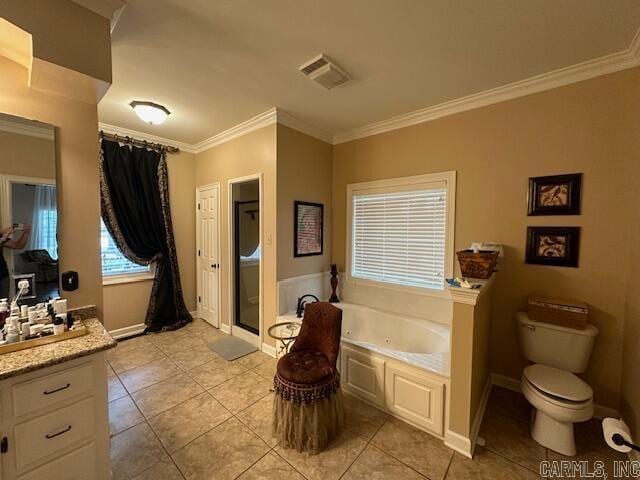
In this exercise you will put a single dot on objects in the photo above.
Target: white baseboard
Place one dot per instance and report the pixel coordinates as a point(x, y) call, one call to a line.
point(477, 421)
point(599, 411)
point(121, 333)
point(505, 382)
point(225, 328)
point(269, 350)
point(194, 314)
point(462, 444)
point(459, 443)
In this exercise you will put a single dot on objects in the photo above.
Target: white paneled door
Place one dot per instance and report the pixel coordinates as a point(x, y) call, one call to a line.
point(208, 212)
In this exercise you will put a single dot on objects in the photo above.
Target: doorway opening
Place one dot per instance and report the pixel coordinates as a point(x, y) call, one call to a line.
point(247, 258)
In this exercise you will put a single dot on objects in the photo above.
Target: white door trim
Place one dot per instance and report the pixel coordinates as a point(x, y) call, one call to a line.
point(199, 190)
point(239, 331)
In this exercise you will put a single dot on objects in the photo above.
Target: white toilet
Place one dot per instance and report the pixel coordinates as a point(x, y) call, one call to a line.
point(559, 397)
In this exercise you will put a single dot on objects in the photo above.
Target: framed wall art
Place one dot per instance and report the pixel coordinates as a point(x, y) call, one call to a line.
point(558, 246)
point(308, 229)
point(555, 195)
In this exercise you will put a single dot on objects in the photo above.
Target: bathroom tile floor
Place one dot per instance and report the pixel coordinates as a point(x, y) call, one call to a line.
point(179, 411)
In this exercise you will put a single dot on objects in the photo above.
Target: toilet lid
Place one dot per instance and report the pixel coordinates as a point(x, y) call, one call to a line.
point(558, 383)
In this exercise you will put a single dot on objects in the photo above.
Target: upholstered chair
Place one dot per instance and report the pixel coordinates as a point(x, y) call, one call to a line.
point(308, 409)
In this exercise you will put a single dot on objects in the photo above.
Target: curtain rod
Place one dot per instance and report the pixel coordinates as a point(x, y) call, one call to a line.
point(138, 143)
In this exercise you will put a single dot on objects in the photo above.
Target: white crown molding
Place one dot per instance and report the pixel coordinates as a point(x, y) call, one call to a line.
point(259, 121)
point(32, 130)
point(126, 132)
point(288, 120)
point(615, 62)
point(269, 117)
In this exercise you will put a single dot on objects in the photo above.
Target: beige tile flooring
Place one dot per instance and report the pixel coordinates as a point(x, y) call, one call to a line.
point(179, 411)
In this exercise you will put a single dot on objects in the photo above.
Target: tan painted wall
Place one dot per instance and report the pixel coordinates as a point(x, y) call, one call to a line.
point(66, 34)
point(77, 175)
point(182, 186)
point(587, 127)
point(250, 154)
point(26, 156)
point(304, 173)
point(630, 395)
point(126, 304)
point(470, 338)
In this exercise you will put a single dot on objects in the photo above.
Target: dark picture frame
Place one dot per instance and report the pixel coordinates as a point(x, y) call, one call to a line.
point(308, 229)
point(555, 246)
point(555, 195)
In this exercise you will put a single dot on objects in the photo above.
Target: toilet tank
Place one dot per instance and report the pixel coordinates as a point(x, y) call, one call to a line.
point(555, 346)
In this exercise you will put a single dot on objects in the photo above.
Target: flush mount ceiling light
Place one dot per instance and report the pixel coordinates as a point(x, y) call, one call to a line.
point(150, 112)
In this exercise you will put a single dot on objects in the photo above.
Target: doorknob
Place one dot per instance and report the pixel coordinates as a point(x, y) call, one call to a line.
point(215, 265)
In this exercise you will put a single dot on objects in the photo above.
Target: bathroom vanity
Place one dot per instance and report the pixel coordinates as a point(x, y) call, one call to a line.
point(54, 408)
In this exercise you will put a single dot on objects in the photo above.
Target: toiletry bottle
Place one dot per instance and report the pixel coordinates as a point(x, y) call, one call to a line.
point(58, 325)
point(12, 335)
point(26, 329)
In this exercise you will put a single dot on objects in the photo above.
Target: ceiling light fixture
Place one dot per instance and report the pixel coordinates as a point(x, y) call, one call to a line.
point(150, 112)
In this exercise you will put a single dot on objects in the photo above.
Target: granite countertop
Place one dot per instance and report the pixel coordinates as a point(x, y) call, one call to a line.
point(96, 340)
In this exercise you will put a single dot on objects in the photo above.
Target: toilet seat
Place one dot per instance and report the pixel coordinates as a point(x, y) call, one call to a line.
point(555, 384)
point(554, 401)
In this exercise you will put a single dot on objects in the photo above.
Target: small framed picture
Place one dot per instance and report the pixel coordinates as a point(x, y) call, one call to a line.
point(555, 195)
point(557, 246)
point(307, 229)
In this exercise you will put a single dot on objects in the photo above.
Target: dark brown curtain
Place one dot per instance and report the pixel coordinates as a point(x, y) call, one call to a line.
point(135, 209)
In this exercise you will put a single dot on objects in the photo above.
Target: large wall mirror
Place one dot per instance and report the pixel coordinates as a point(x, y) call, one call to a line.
point(28, 209)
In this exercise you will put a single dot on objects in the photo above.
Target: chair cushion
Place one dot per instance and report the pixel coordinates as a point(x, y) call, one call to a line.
point(305, 367)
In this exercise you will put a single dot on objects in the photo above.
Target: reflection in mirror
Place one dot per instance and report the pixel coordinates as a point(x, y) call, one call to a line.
point(247, 254)
point(28, 209)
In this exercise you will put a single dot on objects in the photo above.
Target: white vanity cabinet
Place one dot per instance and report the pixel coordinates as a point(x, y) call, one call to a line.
point(54, 422)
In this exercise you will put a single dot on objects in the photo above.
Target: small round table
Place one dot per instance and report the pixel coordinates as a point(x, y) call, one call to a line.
point(289, 333)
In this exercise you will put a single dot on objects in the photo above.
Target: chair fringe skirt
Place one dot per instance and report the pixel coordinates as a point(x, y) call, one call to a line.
point(307, 417)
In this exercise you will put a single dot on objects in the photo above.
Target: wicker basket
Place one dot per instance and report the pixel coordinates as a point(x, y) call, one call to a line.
point(566, 313)
point(477, 265)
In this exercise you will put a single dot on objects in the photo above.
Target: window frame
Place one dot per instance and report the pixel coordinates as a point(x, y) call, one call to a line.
point(120, 278)
point(412, 183)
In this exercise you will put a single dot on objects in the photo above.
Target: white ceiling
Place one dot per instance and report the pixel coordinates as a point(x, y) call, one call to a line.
point(215, 64)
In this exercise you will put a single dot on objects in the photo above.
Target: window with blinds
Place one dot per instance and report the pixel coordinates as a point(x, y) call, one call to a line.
point(113, 261)
point(399, 237)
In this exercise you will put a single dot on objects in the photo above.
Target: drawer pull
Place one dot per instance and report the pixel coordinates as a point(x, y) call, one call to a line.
point(53, 435)
point(55, 390)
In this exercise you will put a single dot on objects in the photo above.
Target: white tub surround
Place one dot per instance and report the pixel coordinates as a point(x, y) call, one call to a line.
point(469, 371)
point(290, 289)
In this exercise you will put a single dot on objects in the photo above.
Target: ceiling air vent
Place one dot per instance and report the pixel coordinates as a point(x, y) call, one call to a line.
point(323, 71)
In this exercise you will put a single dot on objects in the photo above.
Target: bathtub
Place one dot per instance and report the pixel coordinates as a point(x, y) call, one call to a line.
point(418, 342)
point(395, 362)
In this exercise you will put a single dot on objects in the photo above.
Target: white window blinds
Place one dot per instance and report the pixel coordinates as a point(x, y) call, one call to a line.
point(399, 237)
point(113, 261)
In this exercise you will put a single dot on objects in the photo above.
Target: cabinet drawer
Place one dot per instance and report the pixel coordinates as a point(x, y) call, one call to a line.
point(56, 431)
point(42, 393)
point(78, 465)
